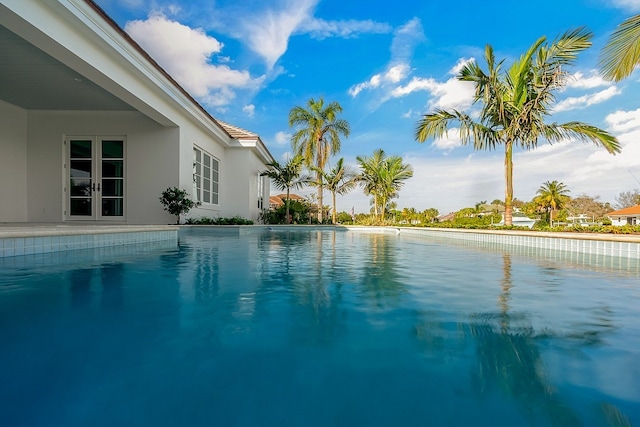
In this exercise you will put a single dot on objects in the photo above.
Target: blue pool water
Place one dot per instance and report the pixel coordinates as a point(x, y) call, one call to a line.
point(319, 329)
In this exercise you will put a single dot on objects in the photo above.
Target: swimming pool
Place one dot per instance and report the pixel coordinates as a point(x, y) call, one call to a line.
point(318, 328)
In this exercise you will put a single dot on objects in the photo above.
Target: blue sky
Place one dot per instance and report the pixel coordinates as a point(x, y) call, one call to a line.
point(249, 62)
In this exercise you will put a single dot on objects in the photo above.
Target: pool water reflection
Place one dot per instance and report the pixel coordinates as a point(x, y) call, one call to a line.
point(320, 328)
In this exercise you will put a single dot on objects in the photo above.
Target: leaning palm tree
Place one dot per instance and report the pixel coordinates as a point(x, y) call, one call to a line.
point(317, 136)
point(515, 104)
point(552, 195)
point(339, 180)
point(286, 177)
point(621, 54)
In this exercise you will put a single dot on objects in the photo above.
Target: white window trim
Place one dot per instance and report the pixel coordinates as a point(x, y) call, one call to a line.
point(198, 178)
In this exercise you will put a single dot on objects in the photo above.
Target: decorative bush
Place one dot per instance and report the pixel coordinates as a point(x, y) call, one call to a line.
point(177, 202)
point(236, 220)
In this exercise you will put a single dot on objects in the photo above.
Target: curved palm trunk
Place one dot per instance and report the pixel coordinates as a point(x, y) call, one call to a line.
point(508, 177)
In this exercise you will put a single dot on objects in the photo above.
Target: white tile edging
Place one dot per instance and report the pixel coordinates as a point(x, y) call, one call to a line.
point(37, 241)
point(593, 244)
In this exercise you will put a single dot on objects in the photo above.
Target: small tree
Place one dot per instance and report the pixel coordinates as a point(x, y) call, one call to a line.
point(177, 202)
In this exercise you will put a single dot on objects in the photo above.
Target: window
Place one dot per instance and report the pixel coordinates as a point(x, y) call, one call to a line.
point(260, 192)
point(206, 177)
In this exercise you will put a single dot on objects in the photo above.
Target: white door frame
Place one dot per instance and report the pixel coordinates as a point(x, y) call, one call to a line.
point(95, 178)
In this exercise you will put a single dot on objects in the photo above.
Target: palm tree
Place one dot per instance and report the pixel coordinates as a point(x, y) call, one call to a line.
point(515, 104)
point(621, 54)
point(286, 177)
point(339, 180)
point(552, 195)
point(369, 176)
point(383, 177)
point(317, 136)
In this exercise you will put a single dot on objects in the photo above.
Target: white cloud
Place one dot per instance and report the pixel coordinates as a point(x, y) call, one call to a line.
point(186, 54)
point(403, 44)
point(623, 121)
point(405, 39)
point(629, 5)
point(393, 75)
point(591, 80)
point(449, 141)
point(451, 94)
point(267, 32)
point(321, 29)
point(282, 138)
point(249, 109)
point(584, 101)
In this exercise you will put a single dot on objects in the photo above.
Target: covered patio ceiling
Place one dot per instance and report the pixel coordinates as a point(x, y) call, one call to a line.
point(33, 80)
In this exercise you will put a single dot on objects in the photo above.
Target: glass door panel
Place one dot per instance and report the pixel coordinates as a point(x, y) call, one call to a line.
point(112, 178)
point(81, 167)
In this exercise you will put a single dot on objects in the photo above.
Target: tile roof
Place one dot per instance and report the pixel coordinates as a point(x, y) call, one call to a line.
point(237, 132)
point(633, 210)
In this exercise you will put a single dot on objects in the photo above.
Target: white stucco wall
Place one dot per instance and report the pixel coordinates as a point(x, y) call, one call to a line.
point(241, 184)
point(620, 221)
point(151, 161)
point(13, 163)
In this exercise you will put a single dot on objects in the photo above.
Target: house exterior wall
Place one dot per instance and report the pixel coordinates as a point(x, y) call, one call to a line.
point(160, 135)
point(625, 220)
point(13, 163)
point(151, 161)
point(241, 192)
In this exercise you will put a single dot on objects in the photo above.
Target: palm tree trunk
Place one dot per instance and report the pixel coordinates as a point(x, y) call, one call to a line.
point(320, 196)
point(508, 177)
point(333, 194)
point(286, 210)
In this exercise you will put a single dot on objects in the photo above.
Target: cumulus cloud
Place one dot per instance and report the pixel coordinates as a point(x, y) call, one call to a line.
point(591, 80)
point(282, 138)
point(623, 121)
point(186, 54)
point(449, 141)
point(574, 103)
point(452, 93)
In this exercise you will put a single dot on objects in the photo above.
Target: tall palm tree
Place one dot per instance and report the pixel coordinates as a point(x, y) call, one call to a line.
point(339, 180)
point(515, 104)
point(383, 177)
point(286, 177)
point(317, 136)
point(552, 195)
point(621, 54)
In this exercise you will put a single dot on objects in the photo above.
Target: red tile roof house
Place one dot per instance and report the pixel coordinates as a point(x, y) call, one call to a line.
point(278, 200)
point(626, 216)
point(93, 129)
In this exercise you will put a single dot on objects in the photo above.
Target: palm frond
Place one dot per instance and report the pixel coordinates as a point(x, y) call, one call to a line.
point(621, 54)
point(583, 132)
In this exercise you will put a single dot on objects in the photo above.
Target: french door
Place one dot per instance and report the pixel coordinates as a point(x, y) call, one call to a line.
point(95, 178)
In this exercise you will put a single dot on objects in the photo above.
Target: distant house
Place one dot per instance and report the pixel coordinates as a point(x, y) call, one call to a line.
point(93, 129)
point(276, 201)
point(626, 216)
